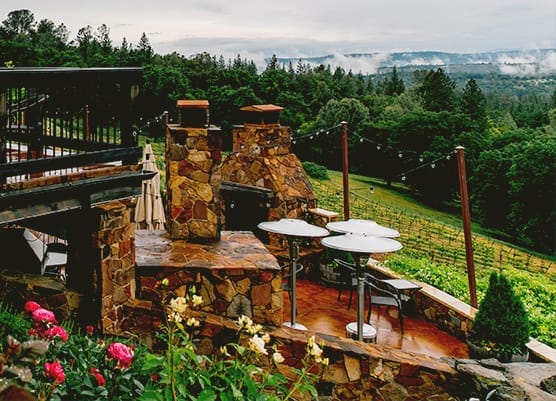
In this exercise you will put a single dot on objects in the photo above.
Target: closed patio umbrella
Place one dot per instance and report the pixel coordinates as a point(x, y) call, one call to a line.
point(149, 212)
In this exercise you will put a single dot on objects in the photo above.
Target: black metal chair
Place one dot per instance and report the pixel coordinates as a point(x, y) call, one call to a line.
point(383, 294)
point(347, 279)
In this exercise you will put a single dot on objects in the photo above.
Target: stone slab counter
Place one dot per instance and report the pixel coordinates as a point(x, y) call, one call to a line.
point(235, 275)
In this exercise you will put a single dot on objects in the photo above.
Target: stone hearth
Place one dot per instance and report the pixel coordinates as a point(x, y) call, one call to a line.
point(235, 275)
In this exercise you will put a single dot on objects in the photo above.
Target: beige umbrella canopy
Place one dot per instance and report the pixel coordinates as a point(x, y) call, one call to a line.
point(149, 212)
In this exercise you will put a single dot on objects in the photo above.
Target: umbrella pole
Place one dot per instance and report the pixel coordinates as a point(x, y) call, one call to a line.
point(294, 257)
point(360, 295)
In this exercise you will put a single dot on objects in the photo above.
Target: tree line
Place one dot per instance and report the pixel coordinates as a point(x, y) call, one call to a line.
point(398, 132)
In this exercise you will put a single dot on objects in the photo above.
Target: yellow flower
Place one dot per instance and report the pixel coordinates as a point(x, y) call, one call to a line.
point(192, 322)
point(325, 362)
point(224, 350)
point(277, 357)
point(197, 300)
point(254, 329)
point(244, 322)
point(165, 282)
point(266, 338)
point(178, 305)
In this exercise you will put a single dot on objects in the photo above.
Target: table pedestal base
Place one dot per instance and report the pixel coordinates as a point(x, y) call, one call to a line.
point(296, 326)
point(369, 332)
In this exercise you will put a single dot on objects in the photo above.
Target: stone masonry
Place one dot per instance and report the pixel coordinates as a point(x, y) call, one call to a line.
point(192, 183)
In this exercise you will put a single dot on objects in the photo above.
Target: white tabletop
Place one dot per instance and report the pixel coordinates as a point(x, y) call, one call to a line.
point(361, 243)
point(360, 226)
point(293, 227)
point(401, 284)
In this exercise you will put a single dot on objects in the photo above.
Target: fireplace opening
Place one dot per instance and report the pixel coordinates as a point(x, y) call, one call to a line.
point(245, 206)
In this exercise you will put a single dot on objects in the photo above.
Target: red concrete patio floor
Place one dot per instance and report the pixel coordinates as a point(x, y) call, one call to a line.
point(319, 310)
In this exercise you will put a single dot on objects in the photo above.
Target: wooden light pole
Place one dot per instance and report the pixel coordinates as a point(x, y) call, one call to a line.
point(466, 219)
point(345, 172)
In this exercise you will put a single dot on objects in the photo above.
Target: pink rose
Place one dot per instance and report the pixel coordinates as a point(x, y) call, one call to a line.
point(101, 381)
point(56, 331)
point(44, 316)
point(31, 306)
point(55, 371)
point(121, 353)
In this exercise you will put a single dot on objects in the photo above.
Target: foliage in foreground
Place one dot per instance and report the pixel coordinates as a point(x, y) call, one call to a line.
point(53, 365)
point(501, 323)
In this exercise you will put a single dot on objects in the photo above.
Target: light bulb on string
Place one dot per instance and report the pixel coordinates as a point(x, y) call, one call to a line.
point(378, 146)
point(403, 178)
point(311, 137)
point(448, 157)
point(421, 158)
point(293, 142)
point(433, 165)
point(361, 140)
point(327, 132)
point(400, 155)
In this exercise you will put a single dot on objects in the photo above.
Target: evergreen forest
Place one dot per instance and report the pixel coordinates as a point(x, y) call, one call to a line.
point(400, 130)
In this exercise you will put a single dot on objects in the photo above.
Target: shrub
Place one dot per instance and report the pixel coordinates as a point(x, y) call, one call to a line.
point(12, 323)
point(501, 323)
point(315, 170)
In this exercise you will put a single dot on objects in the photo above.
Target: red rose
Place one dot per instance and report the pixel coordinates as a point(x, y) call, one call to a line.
point(121, 353)
point(44, 316)
point(57, 331)
point(55, 371)
point(31, 306)
point(101, 381)
point(90, 329)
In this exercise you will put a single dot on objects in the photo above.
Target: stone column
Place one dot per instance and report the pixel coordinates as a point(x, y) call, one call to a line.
point(114, 244)
point(192, 183)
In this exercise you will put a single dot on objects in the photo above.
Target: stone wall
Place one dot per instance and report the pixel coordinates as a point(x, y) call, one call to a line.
point(114, 244)
point(357, 371)
point(192, 183)
point(261, 157)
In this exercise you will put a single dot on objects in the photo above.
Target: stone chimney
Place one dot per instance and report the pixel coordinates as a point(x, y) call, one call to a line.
point(262, 158)
point(193, 156)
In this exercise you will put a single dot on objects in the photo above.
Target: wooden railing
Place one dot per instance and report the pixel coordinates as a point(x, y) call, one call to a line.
point(52, 112)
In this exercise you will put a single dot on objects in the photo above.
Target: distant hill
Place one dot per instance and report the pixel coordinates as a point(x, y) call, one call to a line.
point(519, 72)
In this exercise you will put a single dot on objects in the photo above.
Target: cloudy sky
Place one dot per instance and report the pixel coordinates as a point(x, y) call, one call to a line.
point(301, 28)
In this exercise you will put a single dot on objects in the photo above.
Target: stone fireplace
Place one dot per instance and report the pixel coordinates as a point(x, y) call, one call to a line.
point(261, 160)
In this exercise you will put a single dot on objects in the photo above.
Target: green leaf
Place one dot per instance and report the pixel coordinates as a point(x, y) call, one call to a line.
point(151, 395)
point(208, 395)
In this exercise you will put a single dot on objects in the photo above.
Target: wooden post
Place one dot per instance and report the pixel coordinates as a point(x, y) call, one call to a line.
point(466, 219)
point(345, 169)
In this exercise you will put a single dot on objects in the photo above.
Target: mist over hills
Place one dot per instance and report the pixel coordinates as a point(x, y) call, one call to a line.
point(515, 72)
point(512, 62)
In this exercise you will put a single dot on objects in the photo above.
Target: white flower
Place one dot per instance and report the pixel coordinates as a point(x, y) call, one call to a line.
point(277, 357)
point(256, 344)
point(197, 300)
point(178, 305)
point(316, 352)
point(174, 317)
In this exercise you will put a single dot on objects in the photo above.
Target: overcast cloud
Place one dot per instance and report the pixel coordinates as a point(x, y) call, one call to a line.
point(301, 28)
